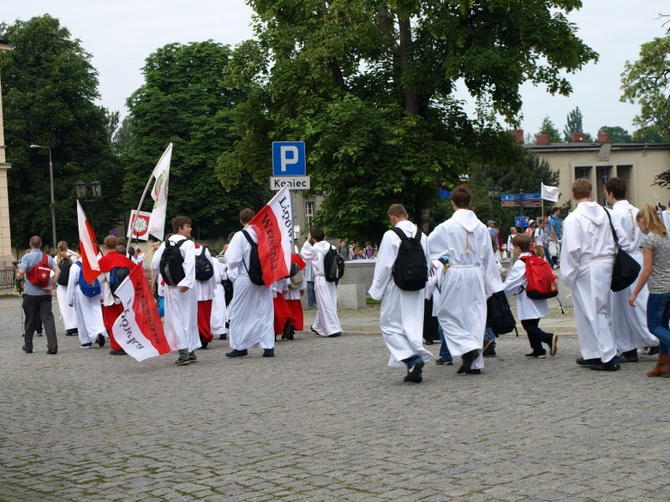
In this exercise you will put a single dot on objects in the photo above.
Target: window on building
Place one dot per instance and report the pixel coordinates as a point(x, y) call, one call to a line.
point(310, 209)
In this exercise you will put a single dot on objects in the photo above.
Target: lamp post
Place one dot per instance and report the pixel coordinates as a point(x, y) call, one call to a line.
point(95, 188)
point(53, 200)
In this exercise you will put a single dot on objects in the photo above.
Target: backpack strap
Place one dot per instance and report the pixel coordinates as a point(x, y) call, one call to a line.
point(252, 244)
point(403, 237)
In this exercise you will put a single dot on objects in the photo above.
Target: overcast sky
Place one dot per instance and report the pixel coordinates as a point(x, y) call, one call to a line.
point(121, 34)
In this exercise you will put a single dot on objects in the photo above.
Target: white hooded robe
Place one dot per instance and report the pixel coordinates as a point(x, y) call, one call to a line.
point(326, 322)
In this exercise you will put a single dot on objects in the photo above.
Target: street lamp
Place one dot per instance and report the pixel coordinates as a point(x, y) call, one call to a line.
point(494, 193)
point(53, 200)
point(95, 188)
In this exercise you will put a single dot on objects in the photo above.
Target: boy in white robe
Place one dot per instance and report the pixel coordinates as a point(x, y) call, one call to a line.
point(587, 259)
point(219, 317)
point(315, 249)
point(251, 312)
point(90, 325)
point(529, 311)
point(630, 324)
point(471, 278)
point(401, 312)
point(181, 318)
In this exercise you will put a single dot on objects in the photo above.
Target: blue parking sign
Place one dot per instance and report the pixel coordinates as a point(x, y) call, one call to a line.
point(288, 158)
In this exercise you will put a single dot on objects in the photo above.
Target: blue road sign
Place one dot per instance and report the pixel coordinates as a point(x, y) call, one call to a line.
point(288, 158)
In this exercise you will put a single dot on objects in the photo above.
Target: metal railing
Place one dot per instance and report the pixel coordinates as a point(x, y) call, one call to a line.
point(7, 278)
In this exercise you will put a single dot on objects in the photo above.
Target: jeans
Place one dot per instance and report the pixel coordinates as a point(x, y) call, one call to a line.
point(658, 316)
point(311, 297)
point(445, 355)
point(490, 335)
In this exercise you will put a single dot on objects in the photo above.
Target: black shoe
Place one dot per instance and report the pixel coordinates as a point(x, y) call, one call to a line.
point(267, 352)
point(236, 353)
point(203, 345)
point(39, 333)
point(429, 342)
point(467, 358)
point(101, 340)
point(52, 351)
point(192, 357)
point(492, 353)
point(414, 373)
point(223, 337)
point(588, 362)
point(652, 351)
point(630, 356)
point(474, 372)
point(442, 362)
point(335, 335)
point(611, 365)
point(27, 350)
point(488, 348)
point(314, 331)
point(288, 331)
point(538, 355)
point(117, 352)
point(71, 332)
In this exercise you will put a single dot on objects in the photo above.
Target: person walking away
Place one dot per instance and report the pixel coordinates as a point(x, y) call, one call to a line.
point(656, 273)
point(401, 312)
point(587, 258)
point(630, 324)
point(555, 235)
point(41, 273)
point(472, 277)
point(529, 311)
point(314, 250)
point(251, 312)
point(87, 305)
point(68, 315)
point(181, 305)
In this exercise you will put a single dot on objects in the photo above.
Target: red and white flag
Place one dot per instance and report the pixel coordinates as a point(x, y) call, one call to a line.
point(274, 227)
point(139, 329)
point(88, 247)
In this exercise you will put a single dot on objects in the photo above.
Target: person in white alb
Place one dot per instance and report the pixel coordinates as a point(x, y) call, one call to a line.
point(587, 259)
point(472, 277)
point(401, 312)
point(630, 324)
point(314, 250)
point(251, 313)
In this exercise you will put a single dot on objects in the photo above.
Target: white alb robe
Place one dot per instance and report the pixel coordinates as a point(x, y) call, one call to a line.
point(251, 312)
point(219, 310)
point(68, 314)
point(88, 310)
point(587, 258)
point(181, 308)
point(471, 278)
point(326, 321)
point(401, 312)
point(630, 323)
point(515, 284)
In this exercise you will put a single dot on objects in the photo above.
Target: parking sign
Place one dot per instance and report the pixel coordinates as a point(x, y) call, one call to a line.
point(288, 158)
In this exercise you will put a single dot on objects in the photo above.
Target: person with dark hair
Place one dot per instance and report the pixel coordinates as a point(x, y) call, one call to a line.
point(65, 259)
point(314, 250)
point(630, 324)
point(401, 313)
point(472, 277)
point(555, 227)
point(37, 297)
point(250, 311)
point(587, 258)
point(181, 321)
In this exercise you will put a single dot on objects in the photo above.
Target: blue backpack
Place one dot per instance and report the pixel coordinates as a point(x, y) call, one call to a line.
point(88, 289)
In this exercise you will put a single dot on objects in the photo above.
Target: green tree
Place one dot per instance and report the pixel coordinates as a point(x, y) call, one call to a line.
point(49, 89)
point(574, 124)
point(647, 135)
point(185, 100)
point(617, 134)
point(647, 83)
point(368, 85)
point(548, 127)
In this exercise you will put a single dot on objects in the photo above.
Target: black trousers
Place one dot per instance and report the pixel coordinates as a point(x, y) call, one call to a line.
point(36, 307)
point(536, 336)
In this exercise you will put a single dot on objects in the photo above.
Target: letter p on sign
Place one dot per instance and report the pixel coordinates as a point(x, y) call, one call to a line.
point(288, 158)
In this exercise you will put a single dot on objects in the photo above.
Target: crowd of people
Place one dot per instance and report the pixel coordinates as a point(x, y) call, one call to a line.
point(203, 297)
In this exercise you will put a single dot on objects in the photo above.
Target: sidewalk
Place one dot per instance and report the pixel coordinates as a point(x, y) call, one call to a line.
point(325, 420)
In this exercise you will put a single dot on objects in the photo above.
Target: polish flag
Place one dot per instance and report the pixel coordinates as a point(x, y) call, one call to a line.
point(139, 329)
point(88, 247)
point(274, 227)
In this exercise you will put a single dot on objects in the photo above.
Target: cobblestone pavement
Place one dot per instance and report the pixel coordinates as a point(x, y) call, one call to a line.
point(326, 420)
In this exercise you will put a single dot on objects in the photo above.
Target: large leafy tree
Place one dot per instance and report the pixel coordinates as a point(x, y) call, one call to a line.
point(647, 83)
point(617, 134)
point(49, 89)
point(547, 127)
point(369, 85)
point(185, 100)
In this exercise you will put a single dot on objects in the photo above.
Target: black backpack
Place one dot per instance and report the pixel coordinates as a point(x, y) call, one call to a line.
point(171, 263)
point(410, 270)
point(499, 316)
point(64, 266)
point(254, 270)
point(116, 276)
point(333, 265)
point(204, 270)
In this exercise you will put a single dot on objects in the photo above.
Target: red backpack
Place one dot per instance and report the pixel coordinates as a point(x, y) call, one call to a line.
point(40, 274)
point(541, 278)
